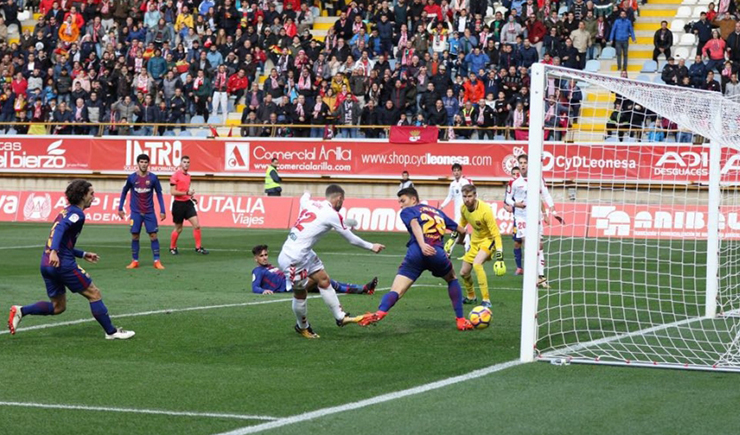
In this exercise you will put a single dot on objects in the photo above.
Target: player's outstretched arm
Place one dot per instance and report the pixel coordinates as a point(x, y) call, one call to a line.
point(419, 236)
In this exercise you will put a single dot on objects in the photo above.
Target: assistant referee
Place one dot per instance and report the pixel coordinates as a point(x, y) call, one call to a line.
point(183, 207)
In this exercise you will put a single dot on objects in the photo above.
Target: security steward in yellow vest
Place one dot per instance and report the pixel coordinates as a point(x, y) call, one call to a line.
point(272, 180)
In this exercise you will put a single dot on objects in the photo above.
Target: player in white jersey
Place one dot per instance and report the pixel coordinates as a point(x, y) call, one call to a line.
point(515, 172)
point(455, 194)
point(517, 195)
point(303, 267)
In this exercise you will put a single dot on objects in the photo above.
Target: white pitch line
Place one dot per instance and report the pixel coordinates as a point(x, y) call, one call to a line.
point(373, 400)
point(5, 248)
point(139, 411)
point(149, 313)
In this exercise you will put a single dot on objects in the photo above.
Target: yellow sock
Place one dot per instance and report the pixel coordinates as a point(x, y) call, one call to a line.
point(480, 273)
point(468, 283)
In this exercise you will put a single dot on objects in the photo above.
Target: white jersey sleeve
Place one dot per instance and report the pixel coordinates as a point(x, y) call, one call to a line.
point(315, 220)
point(450, 195)
point(508, 198)
point(545, 194)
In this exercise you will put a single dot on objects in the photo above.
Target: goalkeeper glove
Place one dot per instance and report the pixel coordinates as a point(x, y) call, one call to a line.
point(499, 267)
point(449, 244)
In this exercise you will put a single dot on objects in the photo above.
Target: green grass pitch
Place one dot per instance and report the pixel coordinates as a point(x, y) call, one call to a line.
point(241, 357)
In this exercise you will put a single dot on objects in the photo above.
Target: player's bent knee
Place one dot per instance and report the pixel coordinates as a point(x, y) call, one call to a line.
point(59, 307)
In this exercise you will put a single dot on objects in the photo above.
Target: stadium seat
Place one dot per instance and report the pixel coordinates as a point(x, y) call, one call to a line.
point(688, 2)
point(185, 133)
point(11, 131)
point(683, 12)
point(687, 39)
point(682, 52)
point(650, 66)
point(215, 120)
point(502, 9)
point(593, 66)
point(608, 53)
point(197, 119)
point(697, 12)
point(677, 25)
point(704, 2)
point(612, 139)
point(563, 10)
point(168, 133)
point(643, 78)
point(202, 133)
point(658, 79)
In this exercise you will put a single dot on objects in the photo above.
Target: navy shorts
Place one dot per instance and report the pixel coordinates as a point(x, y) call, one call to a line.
point(149, 220)
point(415, 263)
point(57, 278)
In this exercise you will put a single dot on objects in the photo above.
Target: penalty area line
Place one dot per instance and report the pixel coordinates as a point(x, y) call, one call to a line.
point(138, 411)
point(373, 400)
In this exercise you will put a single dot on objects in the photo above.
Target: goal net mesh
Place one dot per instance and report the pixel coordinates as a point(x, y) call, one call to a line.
point(628, 163)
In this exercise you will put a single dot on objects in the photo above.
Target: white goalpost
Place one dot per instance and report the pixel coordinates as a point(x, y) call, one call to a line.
point(646, 269)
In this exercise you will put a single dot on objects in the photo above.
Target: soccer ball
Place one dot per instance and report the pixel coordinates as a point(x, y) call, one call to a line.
point(480, 317)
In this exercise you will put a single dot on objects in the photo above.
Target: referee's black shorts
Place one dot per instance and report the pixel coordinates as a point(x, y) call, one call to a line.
point(182, 211)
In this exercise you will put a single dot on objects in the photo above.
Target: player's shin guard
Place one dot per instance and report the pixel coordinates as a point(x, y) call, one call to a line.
point(135, 249)
point(541, 263)
point(332, 301)
point(480, 273)
point(173, 239)
point(455, 293)
point(518, 257)
point(469, 289)
point(155, 249)
point(388, 301)
point(196, 236)
point(100, 312)
point(40, 308)
point(300, 310)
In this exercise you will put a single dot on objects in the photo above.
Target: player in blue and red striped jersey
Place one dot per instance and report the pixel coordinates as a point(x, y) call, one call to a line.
point(268, 279)
point(427, 226)
point(61, 271)
point(143, 185)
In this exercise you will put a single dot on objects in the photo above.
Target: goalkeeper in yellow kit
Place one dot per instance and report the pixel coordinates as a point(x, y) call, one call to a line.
point(484, 243)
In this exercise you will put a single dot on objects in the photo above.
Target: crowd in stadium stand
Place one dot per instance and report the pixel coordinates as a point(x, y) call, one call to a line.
point(456, 63)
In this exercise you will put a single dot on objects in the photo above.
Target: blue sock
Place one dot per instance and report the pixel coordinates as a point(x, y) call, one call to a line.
point(100, 312)
point(135, 249)
point(155, 249)
point(518, 257)
point(388, 301)
point(40, 308)
point(455, 293)
point(342, 287)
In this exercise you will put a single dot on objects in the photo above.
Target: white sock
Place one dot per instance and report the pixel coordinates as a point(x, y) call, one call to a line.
point(332, 301)
point(541, 263)
point(467, 242)
point(300, 309)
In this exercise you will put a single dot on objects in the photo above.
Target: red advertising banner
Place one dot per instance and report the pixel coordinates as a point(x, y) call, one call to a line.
point(406, 134)
point(52, 154)
point(232, 211)
point(605, 162)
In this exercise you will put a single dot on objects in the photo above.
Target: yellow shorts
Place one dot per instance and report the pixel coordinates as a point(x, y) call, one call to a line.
point(484, 245)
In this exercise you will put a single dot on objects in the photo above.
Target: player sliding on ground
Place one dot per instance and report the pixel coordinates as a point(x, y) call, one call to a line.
point(485, 240)
point(303, 267)
point(60, 269)
point(517, 195)
point(143, 184)
point(427, 226)
point(268, 279)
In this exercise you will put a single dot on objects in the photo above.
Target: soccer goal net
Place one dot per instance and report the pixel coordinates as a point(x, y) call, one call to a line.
point(645, 269)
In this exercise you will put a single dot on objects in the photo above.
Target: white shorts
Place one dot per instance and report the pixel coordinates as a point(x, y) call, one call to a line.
point(298, 271)
point(520, 229)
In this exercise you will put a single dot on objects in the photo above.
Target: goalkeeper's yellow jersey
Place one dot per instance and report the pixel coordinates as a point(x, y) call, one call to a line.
point(483, 222)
